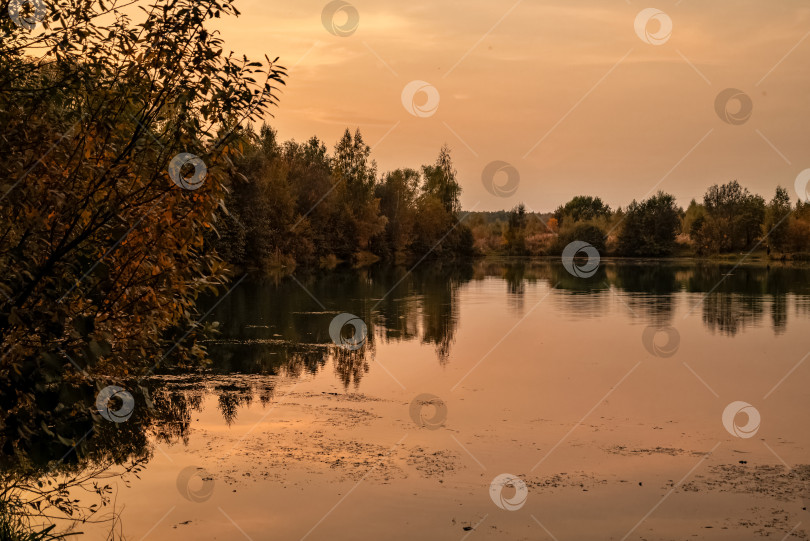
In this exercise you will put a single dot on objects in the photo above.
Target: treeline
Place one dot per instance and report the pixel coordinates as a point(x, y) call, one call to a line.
point(730, 219)
point(295, 203)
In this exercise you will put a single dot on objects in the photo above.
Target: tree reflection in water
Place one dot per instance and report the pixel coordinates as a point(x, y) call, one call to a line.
point(55, 445)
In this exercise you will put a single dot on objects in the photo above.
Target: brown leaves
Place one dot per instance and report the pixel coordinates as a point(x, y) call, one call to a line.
point(95, 228)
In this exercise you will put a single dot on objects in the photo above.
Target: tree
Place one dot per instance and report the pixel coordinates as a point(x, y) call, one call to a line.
point(441, 183)
point(583, 231)
point(355, 178)
point(397, 194)
point(351, 165)
point(293, 204)
point(798, 235)
point(309, 177)
point(735, 214)
point(263, 205)
point(694, 212)
point(750, 220)
point(104, 257)
point(94, 229)
point(581, 208)
point(515, 234)
point(650, 227)
point(776, 225)
point(440, 230)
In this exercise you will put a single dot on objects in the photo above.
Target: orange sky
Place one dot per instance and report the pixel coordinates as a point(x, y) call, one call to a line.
point(567, 92)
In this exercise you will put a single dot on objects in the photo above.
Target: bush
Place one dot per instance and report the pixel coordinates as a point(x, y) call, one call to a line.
point(650, 227)
point(584, 231)
point(798, 235)
point(582, 208)
point(711, 237)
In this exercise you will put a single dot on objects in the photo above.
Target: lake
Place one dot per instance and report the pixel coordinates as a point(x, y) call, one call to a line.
point(498, 399)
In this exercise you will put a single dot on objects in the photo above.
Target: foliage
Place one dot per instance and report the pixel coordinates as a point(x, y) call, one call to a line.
point(355, 178)
point(733, 218)
point(398, 193)
point(441, 182)
point(581, 208)
point(650, 227)
point(15, 525)
point(582, 231)
point(515, 234)
point(710, 235)
point(294, 204)
point(440, 230)
point(694, 212)
point(489, 230)
point(298, 205)
point(776, 225)
point(798, 235)
point(104, 256)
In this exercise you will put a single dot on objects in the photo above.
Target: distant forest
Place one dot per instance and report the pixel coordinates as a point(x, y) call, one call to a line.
point(295, 204)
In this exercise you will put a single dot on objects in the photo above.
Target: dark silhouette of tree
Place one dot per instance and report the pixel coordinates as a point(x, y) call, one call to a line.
point(733, 218)
point(515, 234)
point(293, 204)
point(581, 208)
point(585, 232)
point(776, 224)
point(439, 230)
point(398, 194)
point(650, 227)
point(355, 178)
point(441, 182)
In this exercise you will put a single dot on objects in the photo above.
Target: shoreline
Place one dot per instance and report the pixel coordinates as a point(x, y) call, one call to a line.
point(757, 259)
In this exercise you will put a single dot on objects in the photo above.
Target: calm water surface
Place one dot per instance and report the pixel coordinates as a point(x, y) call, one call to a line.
point(604, 396)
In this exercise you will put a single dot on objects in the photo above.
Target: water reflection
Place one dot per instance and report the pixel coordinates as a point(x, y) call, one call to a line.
point(57, 446)
point(63, 448)
point(730, 299)
point(281, 328)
